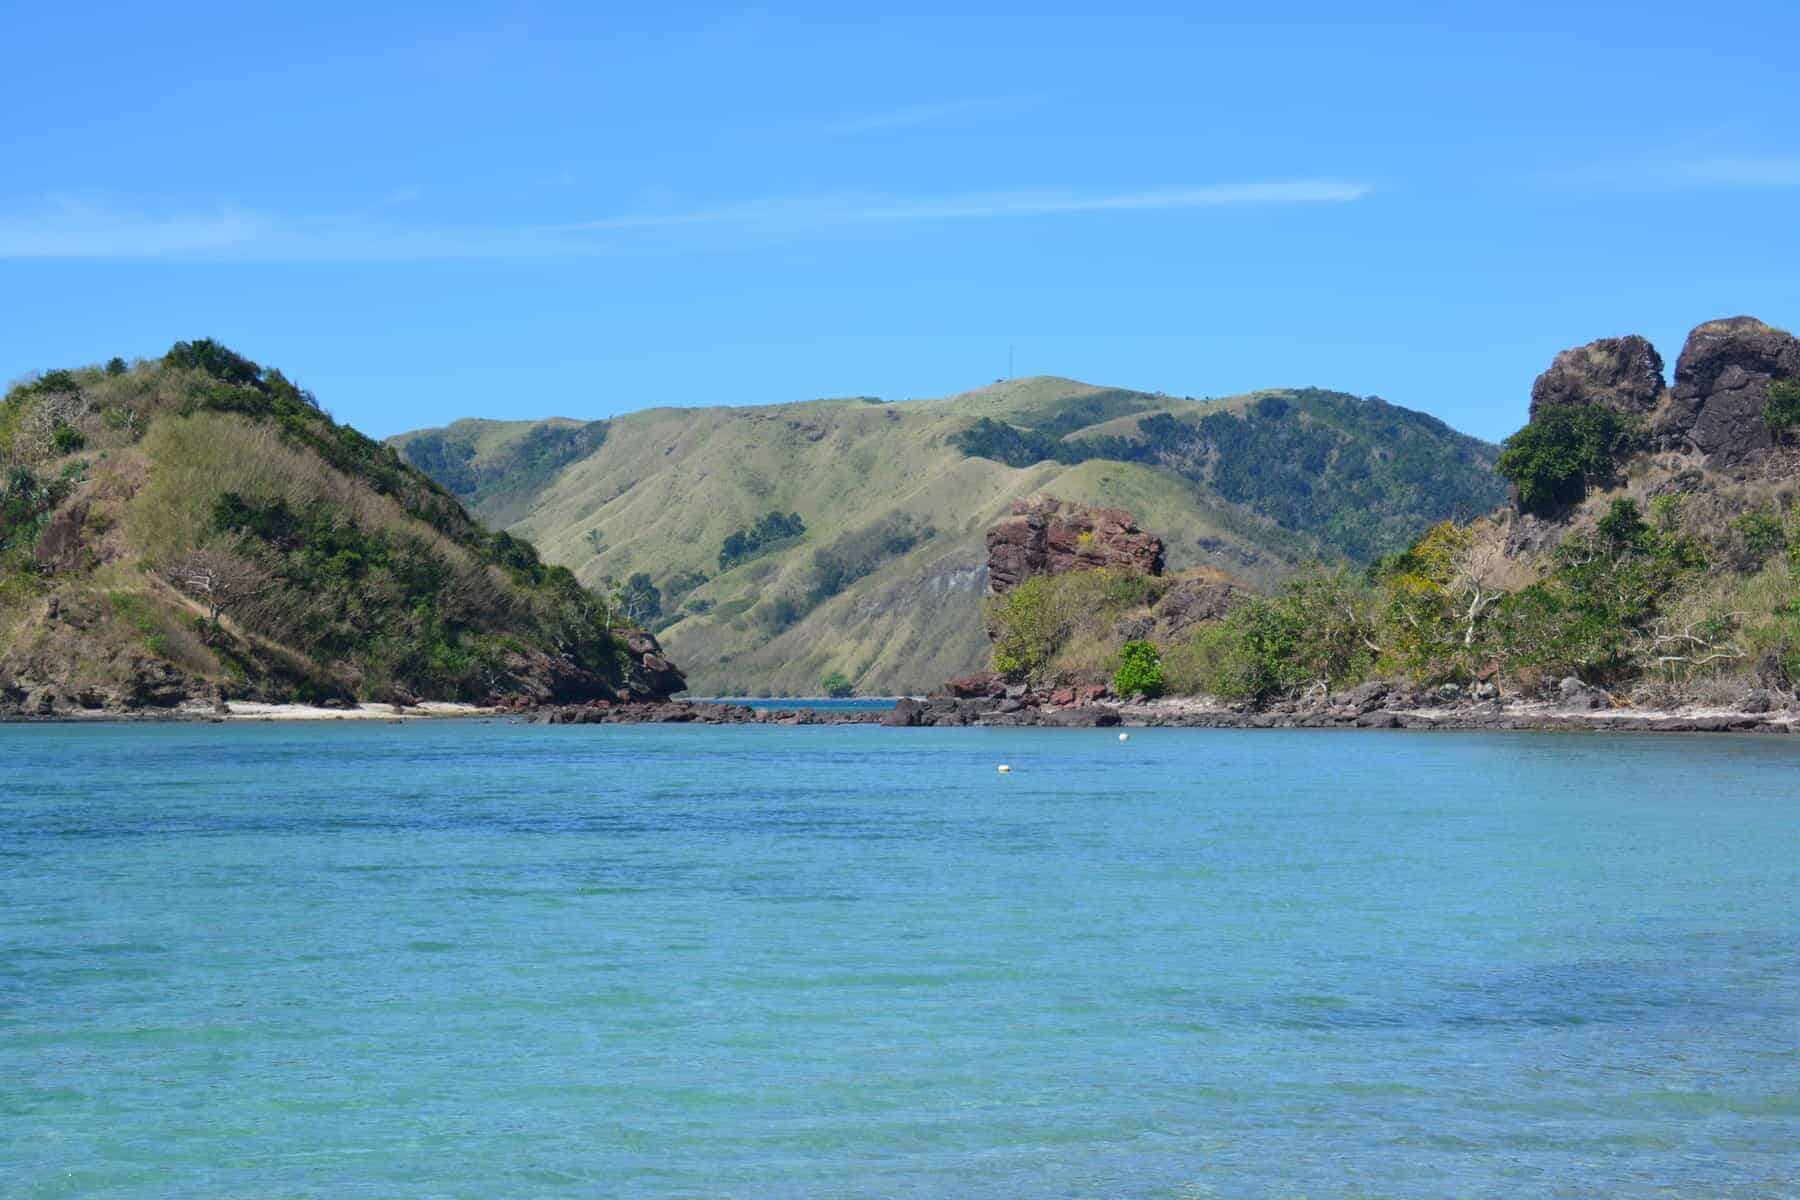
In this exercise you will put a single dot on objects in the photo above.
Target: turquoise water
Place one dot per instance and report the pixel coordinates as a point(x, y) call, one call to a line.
point(492, 960)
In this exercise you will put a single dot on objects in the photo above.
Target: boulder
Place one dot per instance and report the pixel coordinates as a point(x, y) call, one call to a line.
point(1087, 716)
point(981, 685)
point(1722, 384)
point(1622, 373)
point(1365, 697)
point(155, 684)
point(1047, 536)
point(904, 714)
point(1575, 694)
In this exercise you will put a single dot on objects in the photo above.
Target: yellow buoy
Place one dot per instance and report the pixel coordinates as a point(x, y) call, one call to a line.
point(1005, 770)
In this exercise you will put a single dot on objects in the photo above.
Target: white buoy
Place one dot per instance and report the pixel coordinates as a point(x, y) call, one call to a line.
point(1005, 770)
point(1124, 737)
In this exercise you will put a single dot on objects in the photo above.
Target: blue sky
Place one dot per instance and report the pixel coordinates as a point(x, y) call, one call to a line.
point(428, 212)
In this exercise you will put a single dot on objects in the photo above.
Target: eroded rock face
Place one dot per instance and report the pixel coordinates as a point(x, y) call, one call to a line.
point(653, 676)
point(1046, 536)
point(1722, 383)
point(980, 685)
point(59, 547)
point(1193, 600)
point(1622, 373)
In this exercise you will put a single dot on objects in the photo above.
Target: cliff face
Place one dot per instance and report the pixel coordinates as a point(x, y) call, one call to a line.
point(1624, 373)
point(1715, 409)
point(1046, 536)
point(1722, 383)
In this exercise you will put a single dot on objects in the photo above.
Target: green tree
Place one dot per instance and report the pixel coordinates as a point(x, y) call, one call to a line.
point(837, 685)
point(1591, 614)
point(1564, 451)
point(1140, 670)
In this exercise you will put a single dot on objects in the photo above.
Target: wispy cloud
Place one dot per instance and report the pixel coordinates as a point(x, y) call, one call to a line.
point(915, 114)
point(74, 228)
point(1685, 171)
point(865, 208)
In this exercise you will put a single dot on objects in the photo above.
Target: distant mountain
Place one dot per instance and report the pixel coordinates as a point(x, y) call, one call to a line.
point(195, 525)
point(779, 544)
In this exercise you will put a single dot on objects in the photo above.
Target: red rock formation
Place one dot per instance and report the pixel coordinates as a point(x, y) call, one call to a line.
point(1046, 536)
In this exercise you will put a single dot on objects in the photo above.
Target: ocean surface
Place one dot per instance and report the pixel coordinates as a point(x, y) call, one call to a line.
point(467, 959)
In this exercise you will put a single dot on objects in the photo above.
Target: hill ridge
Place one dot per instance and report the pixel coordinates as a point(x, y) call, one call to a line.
point(894, 503)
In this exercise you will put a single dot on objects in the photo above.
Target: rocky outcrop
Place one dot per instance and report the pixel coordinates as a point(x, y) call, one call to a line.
point(1622, 373)
point(1046, 536)
point(1194, 598)
point(652, 675)
point(1722, 384)
point(59, 547)
point(978, 686)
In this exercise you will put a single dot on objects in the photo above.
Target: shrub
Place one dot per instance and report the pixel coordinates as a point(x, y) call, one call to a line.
point(837, 685)
point(214, 359)
point(66, 439)
point(1140, 670)
point(1318, 630)
point(53, 382)
point(1782, 411)
point(1565, 450)
point(1763, 535)
point(1036, 620)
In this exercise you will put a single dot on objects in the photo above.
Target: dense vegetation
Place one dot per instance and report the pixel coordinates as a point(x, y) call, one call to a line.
point(204, 483)
point(1140, 670)
point(1633, 601)
point(501, 482)
point(1567, 450)
point(1053, 627)
point(771, 530)
point(1360, 475)
point(1640, 600)
point(390, 603)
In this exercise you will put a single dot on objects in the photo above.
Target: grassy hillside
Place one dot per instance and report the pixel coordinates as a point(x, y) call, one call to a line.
point(882, 580)
point(1360, 475)
point(196, 524)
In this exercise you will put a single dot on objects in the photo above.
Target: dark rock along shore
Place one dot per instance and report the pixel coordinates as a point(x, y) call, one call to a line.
point(987, 702)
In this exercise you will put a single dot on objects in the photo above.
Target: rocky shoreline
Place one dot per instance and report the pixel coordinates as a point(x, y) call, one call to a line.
point(1369, 706)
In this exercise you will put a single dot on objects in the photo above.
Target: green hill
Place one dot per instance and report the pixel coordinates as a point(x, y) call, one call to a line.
point(196, 525)
point(880, 578)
